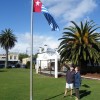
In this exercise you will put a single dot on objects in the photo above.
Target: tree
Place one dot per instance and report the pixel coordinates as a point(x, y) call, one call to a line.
point(28, 64)
point(7, 41)
point(80, 44)
point(22, 55)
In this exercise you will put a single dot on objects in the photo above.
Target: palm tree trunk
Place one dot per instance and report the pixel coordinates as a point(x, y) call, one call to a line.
point(80, 65)
point(6, 61)
point(83, 66)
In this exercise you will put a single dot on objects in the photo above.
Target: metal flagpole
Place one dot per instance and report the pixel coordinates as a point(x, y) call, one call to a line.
point(31, 60)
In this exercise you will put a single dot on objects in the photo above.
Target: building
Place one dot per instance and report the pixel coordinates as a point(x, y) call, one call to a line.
point(48, 58)
point(13, 58)
point(25, 60)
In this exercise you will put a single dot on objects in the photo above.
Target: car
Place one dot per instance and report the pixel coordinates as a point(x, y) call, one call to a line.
point(11, 66)
point(2, 65)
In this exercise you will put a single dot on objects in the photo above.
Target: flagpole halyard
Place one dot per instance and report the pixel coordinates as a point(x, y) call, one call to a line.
point(31, 54)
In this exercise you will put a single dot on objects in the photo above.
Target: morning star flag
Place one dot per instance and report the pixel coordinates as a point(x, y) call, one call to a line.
point(39, 7)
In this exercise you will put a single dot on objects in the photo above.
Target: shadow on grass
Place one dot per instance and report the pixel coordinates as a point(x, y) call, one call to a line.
point(84, 93)
point(86, 86)
point(3, 70)
point(55, 96)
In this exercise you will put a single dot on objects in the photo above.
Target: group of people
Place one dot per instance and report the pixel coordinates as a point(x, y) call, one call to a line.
point(73, 81)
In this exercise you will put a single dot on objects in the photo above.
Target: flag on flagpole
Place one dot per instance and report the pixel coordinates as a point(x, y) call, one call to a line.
point(39, 7)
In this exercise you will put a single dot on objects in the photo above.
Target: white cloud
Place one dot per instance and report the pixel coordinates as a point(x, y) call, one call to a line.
point(40, 41)
point(24, 40)
point(68, 10)
point(82, 8)
point(22, 44)
point(2, 50)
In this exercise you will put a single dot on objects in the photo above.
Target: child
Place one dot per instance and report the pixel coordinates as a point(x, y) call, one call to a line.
point(69, 80)
point(77, 82)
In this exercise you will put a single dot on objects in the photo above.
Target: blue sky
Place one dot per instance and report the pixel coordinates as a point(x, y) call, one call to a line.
point(15, 14)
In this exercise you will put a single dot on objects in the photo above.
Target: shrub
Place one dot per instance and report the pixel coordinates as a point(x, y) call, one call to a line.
point(28, 64)
point(18, 66)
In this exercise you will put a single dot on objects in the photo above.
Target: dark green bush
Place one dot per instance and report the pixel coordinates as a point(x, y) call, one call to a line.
point(18, 66)
point(28, 64)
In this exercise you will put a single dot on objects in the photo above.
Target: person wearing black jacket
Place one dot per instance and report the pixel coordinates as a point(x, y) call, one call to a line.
point(77, 82)
point(69, 80)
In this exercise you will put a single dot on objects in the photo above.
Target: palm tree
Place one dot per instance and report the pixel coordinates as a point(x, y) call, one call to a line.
point(7, 41)
point(80, 44)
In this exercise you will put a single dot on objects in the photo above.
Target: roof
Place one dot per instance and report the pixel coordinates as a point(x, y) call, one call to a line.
point(14, 53)
point(49, 54)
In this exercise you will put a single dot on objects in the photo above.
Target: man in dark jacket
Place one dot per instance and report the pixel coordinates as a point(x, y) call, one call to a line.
point(69, 80)
point(77, 83)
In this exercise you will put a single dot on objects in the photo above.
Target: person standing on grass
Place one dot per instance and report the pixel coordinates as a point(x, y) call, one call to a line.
point(77, 82)
point(69, 81)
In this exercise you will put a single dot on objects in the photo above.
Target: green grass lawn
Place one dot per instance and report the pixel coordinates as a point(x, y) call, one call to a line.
point(14, 85)
point(49, 88)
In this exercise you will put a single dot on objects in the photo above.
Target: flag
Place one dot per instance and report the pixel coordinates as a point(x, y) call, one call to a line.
point(39, 7)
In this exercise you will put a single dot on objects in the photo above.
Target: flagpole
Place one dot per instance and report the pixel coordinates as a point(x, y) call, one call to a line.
point(31, 60)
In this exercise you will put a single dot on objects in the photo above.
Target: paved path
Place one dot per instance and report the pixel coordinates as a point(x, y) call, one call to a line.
point(90, 78)
point(63, 74)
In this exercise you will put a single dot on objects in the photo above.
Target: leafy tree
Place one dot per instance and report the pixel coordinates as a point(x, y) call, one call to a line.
point(7, 41)
point(35, 55)
point(80, 44)
point(22, 55)
point(28, 64)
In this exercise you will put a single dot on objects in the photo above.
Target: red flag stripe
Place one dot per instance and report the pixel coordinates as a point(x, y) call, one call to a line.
point(37, 5)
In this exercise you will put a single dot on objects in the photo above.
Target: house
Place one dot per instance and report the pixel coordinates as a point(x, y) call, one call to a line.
point(25, 60)
point(13, 58)
point(47, 58)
